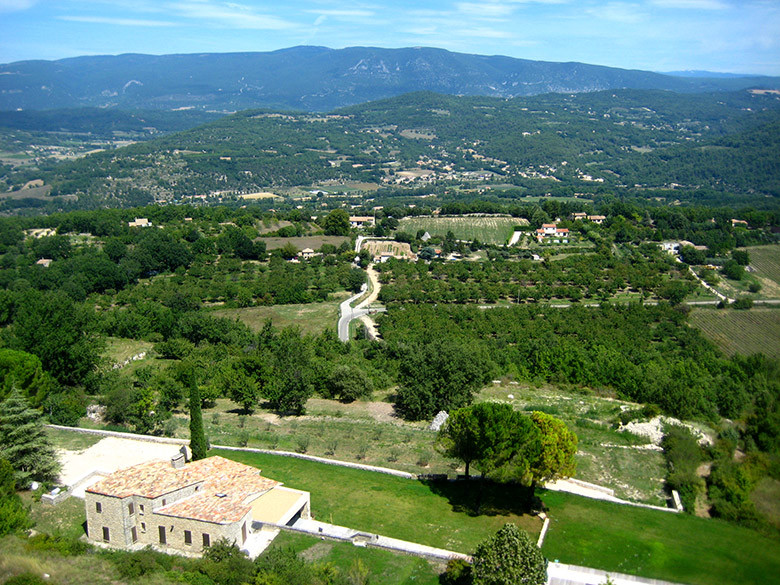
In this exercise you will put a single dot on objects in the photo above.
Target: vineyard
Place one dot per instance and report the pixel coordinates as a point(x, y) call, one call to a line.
point(766, 261)
point(743, 332)
point(490, 230)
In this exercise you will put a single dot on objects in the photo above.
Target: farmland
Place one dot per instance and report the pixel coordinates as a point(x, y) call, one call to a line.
point(743, 332)
point(491, 230)
point(766, 262)
point(310, 317)
point(313, 242)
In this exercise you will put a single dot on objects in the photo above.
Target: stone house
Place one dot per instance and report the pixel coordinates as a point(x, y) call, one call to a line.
point(185, 507)
point(361, 221)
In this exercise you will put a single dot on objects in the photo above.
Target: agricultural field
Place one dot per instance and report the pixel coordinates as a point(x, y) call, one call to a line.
point(766, 261)
point(313, 242)
point(743, 332)
point(492, 229)
point(310, 318)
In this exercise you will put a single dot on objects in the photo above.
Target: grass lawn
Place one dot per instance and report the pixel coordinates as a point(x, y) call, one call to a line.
point(745, 332)
point(72, 441)
point(436, 514)
point(386, 568)
point(310, 317)
point(642, 542)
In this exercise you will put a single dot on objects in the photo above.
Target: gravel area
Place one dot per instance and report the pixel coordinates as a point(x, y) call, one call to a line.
point(109, 455)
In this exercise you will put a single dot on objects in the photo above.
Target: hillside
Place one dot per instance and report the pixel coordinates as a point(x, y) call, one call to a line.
point(626, 141)
point(313, 79)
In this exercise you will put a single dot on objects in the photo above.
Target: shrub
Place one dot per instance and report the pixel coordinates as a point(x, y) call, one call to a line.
point(65, 545)
point(458, 572)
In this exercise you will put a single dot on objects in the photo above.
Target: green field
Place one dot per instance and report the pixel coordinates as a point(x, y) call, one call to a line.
point(586, 532)
point(743, 332)
point(313, 242)
point(674, 547)
point(385, 567)
point(310, 318)
point(440, 515)
point(491, 230)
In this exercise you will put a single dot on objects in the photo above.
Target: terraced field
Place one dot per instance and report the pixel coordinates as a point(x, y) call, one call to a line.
point(743, 332)
point(490, 229)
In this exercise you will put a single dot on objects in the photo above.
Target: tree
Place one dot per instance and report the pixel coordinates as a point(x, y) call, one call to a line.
point(509, 558)
point(559, 446)
point(13, 514)
point(441, 375)
point(288, 379)
point(239, 387)
point(501, 442)
point(60, 332)
point(23, 442)
point(336, 223)
point(198, 444)
point(349, 383)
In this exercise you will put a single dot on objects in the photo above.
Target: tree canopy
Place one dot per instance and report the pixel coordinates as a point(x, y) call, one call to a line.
point(440, 375)
point(509, 557)
point(23, 442)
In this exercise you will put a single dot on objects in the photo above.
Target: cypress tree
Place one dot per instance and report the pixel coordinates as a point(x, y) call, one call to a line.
point(24, 444)
point(197, 435)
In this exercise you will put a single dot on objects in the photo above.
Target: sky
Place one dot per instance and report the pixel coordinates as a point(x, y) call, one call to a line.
point(737, 36)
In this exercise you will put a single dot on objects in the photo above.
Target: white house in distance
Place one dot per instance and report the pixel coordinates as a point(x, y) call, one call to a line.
point(360, 221)
point(139, 222)
point(186, 507)
point(552, 233)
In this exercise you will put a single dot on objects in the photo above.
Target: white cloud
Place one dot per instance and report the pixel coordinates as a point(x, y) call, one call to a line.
point(691, 4)
point(117, 21)
point(344, 13)
point(618, 12)
point(16, 5)
point(485, 10)
point(228, 15)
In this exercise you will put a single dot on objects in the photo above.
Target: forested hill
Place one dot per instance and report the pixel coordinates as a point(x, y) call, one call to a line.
point(313, 79)
point(622, 142)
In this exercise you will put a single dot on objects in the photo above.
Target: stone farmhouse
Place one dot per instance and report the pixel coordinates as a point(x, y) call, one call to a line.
point(185, 507)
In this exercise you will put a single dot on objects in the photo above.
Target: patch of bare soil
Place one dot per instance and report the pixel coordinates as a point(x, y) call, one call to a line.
point(379, 411)
point(316, 552)
point(702, 508)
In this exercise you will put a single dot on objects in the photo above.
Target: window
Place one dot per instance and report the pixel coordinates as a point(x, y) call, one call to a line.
point(164, 501)
point(187, 537)
point(98, 507)
point(206, 540)
point(141, 509)
point(243, 533)
point(134, 534)
point(143, 527)
point(106, 534)
point(131, 508)
point(161, 532)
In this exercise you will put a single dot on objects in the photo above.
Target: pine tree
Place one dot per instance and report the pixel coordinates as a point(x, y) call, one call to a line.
point(197, 435)
point(23, 442)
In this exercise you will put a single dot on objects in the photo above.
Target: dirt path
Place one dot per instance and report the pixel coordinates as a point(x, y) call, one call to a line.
point(376, 286)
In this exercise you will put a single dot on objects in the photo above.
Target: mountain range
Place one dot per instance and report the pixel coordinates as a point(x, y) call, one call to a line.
point(315, 79)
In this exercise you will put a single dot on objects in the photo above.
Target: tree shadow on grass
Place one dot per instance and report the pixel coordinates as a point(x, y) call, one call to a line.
point(478, 497)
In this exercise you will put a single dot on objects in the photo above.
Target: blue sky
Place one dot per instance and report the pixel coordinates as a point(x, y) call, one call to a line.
point(659, 35)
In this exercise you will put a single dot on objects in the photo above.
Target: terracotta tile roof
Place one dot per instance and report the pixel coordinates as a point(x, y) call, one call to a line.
point(234, 482)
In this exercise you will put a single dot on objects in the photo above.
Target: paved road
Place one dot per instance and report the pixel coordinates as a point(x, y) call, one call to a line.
point(347, 313)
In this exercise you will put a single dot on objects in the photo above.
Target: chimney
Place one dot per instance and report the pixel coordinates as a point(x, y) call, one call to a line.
point(177, 462)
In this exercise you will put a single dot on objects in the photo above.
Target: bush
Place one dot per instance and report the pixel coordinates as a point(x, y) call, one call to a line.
point(683, 456)
point(65, 545)
point(742, 303)
point(458, 572)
